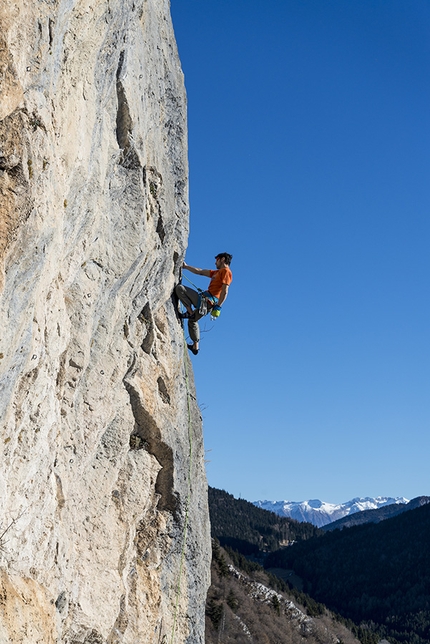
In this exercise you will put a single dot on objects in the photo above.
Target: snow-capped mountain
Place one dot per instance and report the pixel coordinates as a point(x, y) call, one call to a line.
point(321, 513)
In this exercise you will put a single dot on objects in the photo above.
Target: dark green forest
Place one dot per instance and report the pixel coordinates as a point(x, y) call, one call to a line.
point(250, 530)
point(374, 573)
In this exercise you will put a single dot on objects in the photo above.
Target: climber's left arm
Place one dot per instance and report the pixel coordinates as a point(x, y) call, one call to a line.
point(223, 296)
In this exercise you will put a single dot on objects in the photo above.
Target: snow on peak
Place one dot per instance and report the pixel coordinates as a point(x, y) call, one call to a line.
point(321, 513)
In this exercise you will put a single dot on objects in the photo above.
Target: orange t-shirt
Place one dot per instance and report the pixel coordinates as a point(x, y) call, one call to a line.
point(218, 278)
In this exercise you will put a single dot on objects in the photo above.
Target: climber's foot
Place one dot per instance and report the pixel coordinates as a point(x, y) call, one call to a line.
point(193, 348)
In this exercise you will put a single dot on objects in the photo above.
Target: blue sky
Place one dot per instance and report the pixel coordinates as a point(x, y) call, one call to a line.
point(309, 152)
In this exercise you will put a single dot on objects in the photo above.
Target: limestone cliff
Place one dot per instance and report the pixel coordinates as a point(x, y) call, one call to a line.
point(103, 499)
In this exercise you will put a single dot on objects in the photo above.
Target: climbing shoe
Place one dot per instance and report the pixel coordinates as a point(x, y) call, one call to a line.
point(186, 315)
point(192, 349)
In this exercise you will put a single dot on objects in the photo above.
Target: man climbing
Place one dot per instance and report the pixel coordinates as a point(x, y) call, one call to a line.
point(208, 301)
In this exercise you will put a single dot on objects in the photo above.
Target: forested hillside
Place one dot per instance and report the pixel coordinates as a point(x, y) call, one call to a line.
point(248, 531)
point(246, 604)
point(251, 530)
point(375, 573)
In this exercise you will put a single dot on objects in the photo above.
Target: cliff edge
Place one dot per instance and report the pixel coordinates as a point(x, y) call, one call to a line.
point(104, 532)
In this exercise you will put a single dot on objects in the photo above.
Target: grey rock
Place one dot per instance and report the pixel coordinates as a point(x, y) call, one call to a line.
point(104, 503)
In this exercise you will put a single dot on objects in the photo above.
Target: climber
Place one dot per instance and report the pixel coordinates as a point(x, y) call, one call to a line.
point(206, 301)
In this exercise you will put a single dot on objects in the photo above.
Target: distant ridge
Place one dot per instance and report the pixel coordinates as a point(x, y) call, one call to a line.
point(321, 513)
point(377, 515)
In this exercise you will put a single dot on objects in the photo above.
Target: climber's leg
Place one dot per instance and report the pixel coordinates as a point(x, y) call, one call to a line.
point(188, 296)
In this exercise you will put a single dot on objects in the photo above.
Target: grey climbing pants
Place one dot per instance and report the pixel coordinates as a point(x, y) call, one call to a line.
point(190, 297)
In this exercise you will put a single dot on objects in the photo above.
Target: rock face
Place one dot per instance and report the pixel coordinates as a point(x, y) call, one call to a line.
point(103, 496)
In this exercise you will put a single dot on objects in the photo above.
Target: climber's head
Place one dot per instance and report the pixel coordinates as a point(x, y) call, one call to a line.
point(226, 257)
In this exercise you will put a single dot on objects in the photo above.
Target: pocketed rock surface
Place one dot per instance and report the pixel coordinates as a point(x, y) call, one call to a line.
point(103, 494)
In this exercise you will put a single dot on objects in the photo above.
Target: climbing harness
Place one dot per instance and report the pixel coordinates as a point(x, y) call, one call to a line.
point(188, 501)
point(206, 302)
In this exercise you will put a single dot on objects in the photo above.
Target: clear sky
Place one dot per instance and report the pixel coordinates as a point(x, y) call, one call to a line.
point(309, 151)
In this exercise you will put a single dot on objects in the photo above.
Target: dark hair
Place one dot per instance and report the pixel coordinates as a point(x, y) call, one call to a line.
point(226, 257)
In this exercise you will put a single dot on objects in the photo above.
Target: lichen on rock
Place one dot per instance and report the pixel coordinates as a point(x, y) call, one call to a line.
point(104, 501)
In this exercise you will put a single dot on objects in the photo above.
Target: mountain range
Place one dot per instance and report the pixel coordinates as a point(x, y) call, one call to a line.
point(374, 576)
point(321, 513)
point(378, 515)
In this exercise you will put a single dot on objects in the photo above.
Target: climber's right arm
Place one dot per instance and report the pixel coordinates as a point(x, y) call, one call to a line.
point(197, 271)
